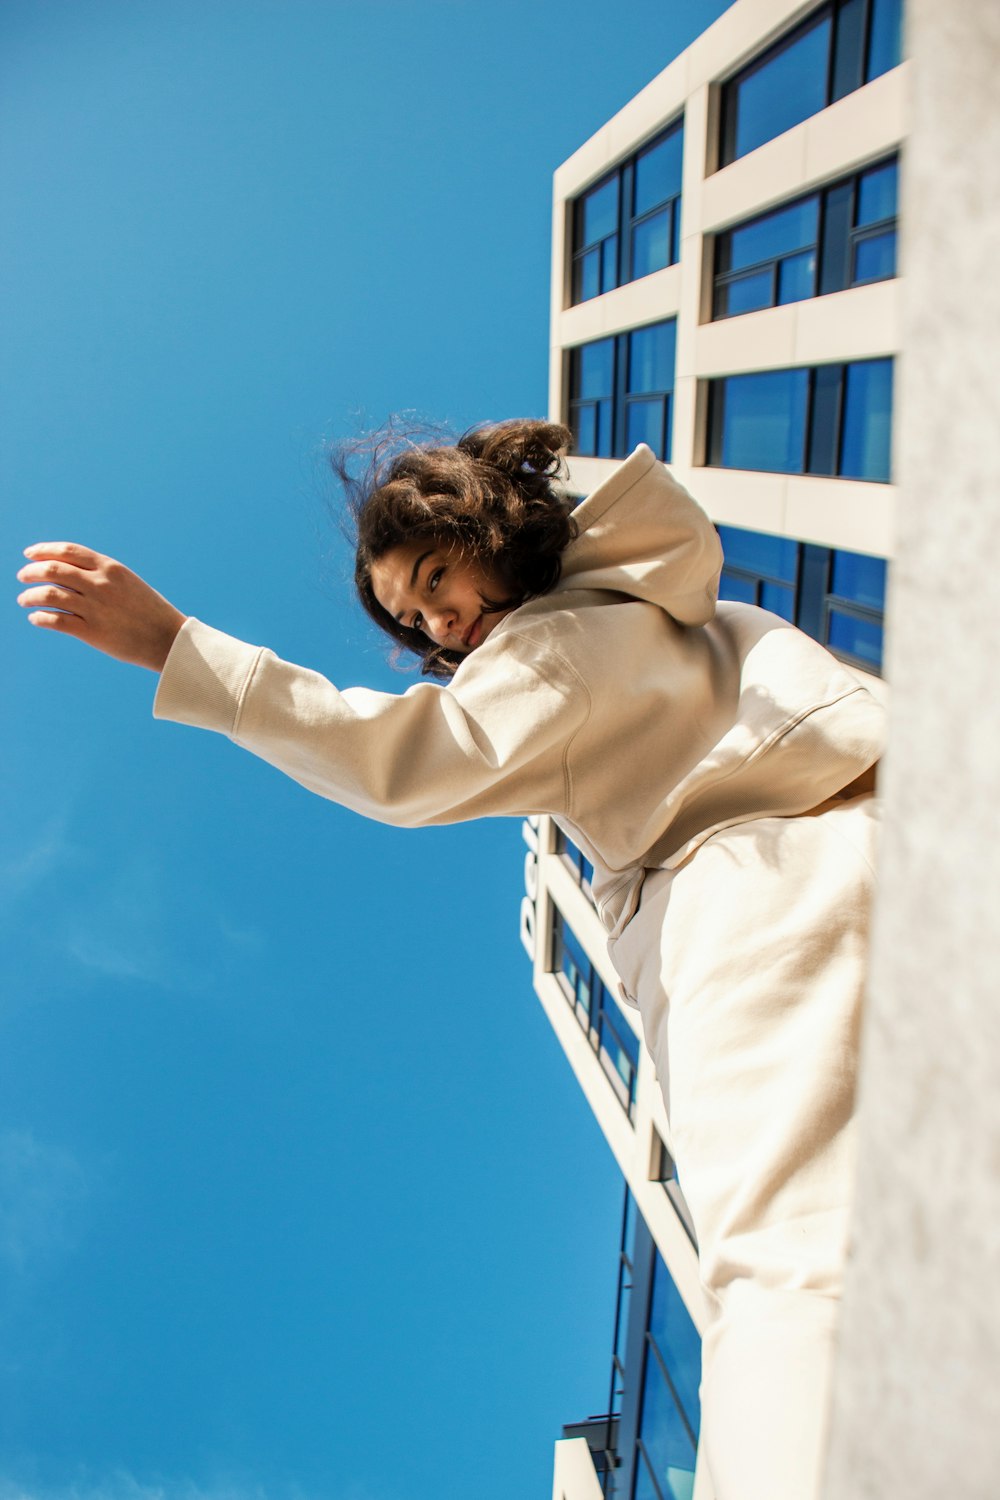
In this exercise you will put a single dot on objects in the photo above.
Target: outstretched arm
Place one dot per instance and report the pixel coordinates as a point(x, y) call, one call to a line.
point(493, 744)
point(82, 593)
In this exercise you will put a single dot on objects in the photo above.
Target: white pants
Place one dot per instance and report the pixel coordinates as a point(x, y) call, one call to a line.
point(749, 964)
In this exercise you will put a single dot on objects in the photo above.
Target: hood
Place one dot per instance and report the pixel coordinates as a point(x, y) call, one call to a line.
point(641, 534)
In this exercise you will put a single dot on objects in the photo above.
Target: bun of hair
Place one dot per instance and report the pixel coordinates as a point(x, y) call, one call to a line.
point(523, 444)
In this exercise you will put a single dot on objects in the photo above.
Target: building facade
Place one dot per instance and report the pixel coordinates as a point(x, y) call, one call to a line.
point(724, 288)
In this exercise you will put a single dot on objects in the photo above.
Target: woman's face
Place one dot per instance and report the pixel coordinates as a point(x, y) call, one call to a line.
point(433, 588)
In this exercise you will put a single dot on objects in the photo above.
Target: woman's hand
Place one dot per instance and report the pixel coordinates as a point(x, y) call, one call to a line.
point(82, 593)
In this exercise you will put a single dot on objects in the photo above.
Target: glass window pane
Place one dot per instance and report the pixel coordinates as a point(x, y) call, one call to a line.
point(860, 638)
point(664, 1436)
point(595, 368)
point(779, 599)
point(747, 294)
point(789, 229)
point(599, 216)
point(651, 358)
point(875, 258)
point(877, 192)
point(644, 1486)
point(797, 277)
point(736, 589)
point(651, 245)
point(614, 1025)
point(609, 264)
point(859, 578)
point(644, 424)
point(885, 45)
point(604, 431)
point(588, 276)
point(848, 47)
point(678, 1342)
point(584, 424)
point(677, 1485)
point(788, 88)
point(760, 552)
point(867, 424)
point(765, 421)
point(658, 173)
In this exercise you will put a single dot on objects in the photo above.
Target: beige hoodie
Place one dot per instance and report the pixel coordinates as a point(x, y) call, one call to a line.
point(624, 703)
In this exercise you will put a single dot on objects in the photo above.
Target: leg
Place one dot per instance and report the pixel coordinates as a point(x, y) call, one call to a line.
point(749, 964)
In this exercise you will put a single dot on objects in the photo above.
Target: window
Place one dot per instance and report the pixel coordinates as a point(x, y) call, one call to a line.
point(831, 419)
point(628, 225)
point(783, 256)
point(664, 1171)
point(576, 860)
point(759, 421)
point(654, 1403)
point(611, 1037)
point(835, 596)
point(621, 392)
point(853, 608)
point(671, 1408)
point(843, 45)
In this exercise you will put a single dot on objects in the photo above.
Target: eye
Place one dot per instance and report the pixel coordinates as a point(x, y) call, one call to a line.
point(417, 623)
point(434, 580)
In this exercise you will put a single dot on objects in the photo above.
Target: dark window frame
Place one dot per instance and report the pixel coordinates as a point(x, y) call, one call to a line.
point(842, 277)
point(621, 397)
point(824, 419)
point(579, 252)
point(855, 61)
point(576, 861)
point(595, 1016)
point(815, 600)
point(627, 224)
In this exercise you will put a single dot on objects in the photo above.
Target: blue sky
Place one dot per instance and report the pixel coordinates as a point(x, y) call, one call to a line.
point(297, 1195)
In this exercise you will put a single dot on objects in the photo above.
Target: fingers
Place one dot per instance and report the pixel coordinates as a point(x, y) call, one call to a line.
point(49, 620)
point(59, 570)
point(70, 552)
point(64, 574)
point(50, 596)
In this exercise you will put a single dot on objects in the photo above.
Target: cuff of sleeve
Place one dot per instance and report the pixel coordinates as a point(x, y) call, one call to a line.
point(205, 679)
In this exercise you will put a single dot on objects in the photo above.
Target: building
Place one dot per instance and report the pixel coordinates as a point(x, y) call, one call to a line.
point(724, 288)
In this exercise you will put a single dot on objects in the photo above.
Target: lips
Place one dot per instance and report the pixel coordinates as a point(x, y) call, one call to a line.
point(472, 635)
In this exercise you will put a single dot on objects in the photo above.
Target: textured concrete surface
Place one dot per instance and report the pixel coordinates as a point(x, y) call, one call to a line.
point(917, 1402)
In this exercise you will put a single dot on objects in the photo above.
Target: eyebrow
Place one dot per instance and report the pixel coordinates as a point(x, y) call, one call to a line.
point(413, 577)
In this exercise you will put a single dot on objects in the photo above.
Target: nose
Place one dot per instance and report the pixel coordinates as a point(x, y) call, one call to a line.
point(440, 623)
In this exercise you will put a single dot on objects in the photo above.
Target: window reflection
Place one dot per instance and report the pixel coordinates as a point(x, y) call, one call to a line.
point(836, 596)
point(763, 421)
point(621, 392)
point(628, 225)
point(840, 415)
point(781, 256)
point(610, 1035)
point(867, 421)
point(781, 91)
point(844, 45)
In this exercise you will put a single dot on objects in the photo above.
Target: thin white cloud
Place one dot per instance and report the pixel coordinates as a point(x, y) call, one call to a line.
point(121, 1485)
point(26, 868)
point(244, 939)
point(42, 1190)
point(115, 927)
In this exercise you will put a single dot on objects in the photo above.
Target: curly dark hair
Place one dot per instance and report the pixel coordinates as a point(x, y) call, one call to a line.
point(490, 495)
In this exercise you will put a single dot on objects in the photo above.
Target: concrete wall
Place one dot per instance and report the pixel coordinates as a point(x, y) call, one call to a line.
point(917, 1402)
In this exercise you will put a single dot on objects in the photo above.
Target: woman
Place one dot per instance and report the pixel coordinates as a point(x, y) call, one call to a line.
point(713, 764)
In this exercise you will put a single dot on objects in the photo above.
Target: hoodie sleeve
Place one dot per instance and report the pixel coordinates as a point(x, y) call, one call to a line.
point(493, 742)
